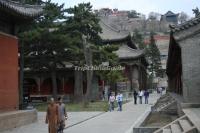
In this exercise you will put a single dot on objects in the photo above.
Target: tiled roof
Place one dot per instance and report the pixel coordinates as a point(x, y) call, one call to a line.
point(169, 13)
point(110, 33)
point(23, 10)
point(125, 52)
point(185, 25)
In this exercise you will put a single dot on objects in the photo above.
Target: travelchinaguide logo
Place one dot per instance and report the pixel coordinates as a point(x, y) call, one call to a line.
point(98, 68)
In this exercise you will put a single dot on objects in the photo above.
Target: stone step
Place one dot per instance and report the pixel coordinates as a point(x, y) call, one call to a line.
point(164, 105)
point(185, 124)
point(180, 125)
point(167, 130)
point(175, 128)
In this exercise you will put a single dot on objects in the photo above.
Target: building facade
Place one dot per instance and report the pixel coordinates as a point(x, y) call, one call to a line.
point(129, 55)
point(12, 14)
point(184, 60)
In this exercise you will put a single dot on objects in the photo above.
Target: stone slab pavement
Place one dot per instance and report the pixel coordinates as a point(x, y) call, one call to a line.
point(115, 122)
point(95, 122)
point(41, 127)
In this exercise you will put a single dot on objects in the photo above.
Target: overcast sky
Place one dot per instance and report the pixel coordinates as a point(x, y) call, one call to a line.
point(142, 6)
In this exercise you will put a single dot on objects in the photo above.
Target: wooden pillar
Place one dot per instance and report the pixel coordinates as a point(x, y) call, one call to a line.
point(39, 85)
point(131, 76)
point(38, 81)
point(21, 79)
point(63, 84)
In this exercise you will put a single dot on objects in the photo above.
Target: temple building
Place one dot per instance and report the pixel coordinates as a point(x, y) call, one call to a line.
point(38, 83)
point(184, 60)
point(12, 15)
point(167, 19)
point(130, 57)
point(183, 97)
point(170, 17)
point(135, 66)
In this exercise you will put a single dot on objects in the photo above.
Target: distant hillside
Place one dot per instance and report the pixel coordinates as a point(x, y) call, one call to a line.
point(122, 21)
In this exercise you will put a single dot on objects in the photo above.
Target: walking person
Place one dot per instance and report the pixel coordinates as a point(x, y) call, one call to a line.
point(135, 95)
point(140, 96)
point(119, 99)
point(62, 114)
point(52, 116)
point(111, 102)
point(146, 96)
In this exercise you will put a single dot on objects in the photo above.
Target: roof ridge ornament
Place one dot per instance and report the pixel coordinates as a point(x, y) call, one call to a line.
point(190, 23)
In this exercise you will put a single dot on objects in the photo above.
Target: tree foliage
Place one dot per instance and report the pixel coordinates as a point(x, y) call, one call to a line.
point(153, 54)
point(196, 11)
point(139, 39)
point(84, 22)
point(55, 38)
point(45, 46)
point(133, 14)
point(107, 55)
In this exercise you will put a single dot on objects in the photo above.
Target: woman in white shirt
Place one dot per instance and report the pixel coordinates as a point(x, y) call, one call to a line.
point(140, 94)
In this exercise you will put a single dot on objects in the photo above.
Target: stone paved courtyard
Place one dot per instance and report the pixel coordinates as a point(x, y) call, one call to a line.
point(95, 122)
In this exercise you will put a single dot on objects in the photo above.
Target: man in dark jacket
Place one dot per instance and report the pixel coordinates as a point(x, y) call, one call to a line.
point(135, 94)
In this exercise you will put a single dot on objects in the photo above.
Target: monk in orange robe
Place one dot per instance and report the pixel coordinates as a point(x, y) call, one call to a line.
point(52, 116)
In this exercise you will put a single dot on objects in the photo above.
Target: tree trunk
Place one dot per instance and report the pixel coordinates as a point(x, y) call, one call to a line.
point(54, 83)
point(89, 86)
point(89, 73)
point(78, 89)
point(113, 87)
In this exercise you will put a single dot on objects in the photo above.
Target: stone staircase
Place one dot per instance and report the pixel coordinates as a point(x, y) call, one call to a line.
point(164, 102)
point(180, 125)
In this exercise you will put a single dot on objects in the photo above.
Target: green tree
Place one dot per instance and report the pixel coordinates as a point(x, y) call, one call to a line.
point(106, 54)
point(196, 11)
point(153, 55)
point(138, 39)
point(84, 24)
point(44, 43)
point(49, 42)
point(133, 14)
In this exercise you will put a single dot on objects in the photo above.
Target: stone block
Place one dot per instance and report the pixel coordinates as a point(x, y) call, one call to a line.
point(15, 119)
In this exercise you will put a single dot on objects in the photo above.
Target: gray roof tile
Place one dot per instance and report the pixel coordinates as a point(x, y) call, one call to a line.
point(109, 33)
point(185, 25)
point(21, 9)
point(125, 52)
